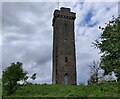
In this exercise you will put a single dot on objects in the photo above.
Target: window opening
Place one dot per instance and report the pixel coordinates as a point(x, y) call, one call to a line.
point(65, 59)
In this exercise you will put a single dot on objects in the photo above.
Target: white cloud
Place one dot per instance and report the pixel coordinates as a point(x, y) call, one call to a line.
point(60, 1)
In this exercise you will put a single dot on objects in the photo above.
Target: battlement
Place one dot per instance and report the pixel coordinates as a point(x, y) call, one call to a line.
point(64, 13)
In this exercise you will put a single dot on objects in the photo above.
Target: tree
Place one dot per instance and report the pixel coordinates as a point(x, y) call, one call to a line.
point(0, 81)
point(33, 77)
point(25, 79)
point(0, 87)
point(11, 75)
point(109, 44)
point(94, 73)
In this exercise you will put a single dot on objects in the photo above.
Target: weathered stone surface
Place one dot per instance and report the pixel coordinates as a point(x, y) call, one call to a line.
point(64, 57)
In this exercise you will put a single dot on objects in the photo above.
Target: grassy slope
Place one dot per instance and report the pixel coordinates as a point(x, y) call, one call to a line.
point(95, 90)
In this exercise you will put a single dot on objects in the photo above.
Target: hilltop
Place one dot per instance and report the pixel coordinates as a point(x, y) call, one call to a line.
point(109, 89)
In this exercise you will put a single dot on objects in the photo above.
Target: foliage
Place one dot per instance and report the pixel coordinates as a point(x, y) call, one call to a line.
point(109, 44)
point(0, 87)
point(11, 75)
point(94, 73)
point(33, 77)
point(25, 79)
point(108, 89)
point(0, 80)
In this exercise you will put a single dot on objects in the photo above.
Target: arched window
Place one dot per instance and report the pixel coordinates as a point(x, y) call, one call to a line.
point(66, 79)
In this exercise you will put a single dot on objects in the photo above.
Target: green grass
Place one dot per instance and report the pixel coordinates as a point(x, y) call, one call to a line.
point(109, 89)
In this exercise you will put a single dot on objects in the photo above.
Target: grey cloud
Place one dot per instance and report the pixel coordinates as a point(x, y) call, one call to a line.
point(28, 39)
point(84, 56)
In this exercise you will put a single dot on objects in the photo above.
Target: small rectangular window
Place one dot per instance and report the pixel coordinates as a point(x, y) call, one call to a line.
point(65, 59)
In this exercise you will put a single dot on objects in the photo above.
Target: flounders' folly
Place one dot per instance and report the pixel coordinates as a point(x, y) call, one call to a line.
point(64, 55)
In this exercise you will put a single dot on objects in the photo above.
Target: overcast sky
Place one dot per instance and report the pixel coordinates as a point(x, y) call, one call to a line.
point(28, 34)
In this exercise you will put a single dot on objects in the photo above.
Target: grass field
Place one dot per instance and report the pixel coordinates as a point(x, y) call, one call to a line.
point(109, 89)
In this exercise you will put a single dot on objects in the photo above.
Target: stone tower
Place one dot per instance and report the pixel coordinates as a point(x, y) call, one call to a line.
point(64, 58)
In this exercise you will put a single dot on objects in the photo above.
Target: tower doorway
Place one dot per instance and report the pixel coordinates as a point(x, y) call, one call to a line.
point(66, 79)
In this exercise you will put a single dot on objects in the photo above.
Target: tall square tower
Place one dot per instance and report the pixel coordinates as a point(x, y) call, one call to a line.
point(64, 57)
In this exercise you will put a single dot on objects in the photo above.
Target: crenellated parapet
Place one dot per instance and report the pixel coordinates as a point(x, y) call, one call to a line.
point(62, 14)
